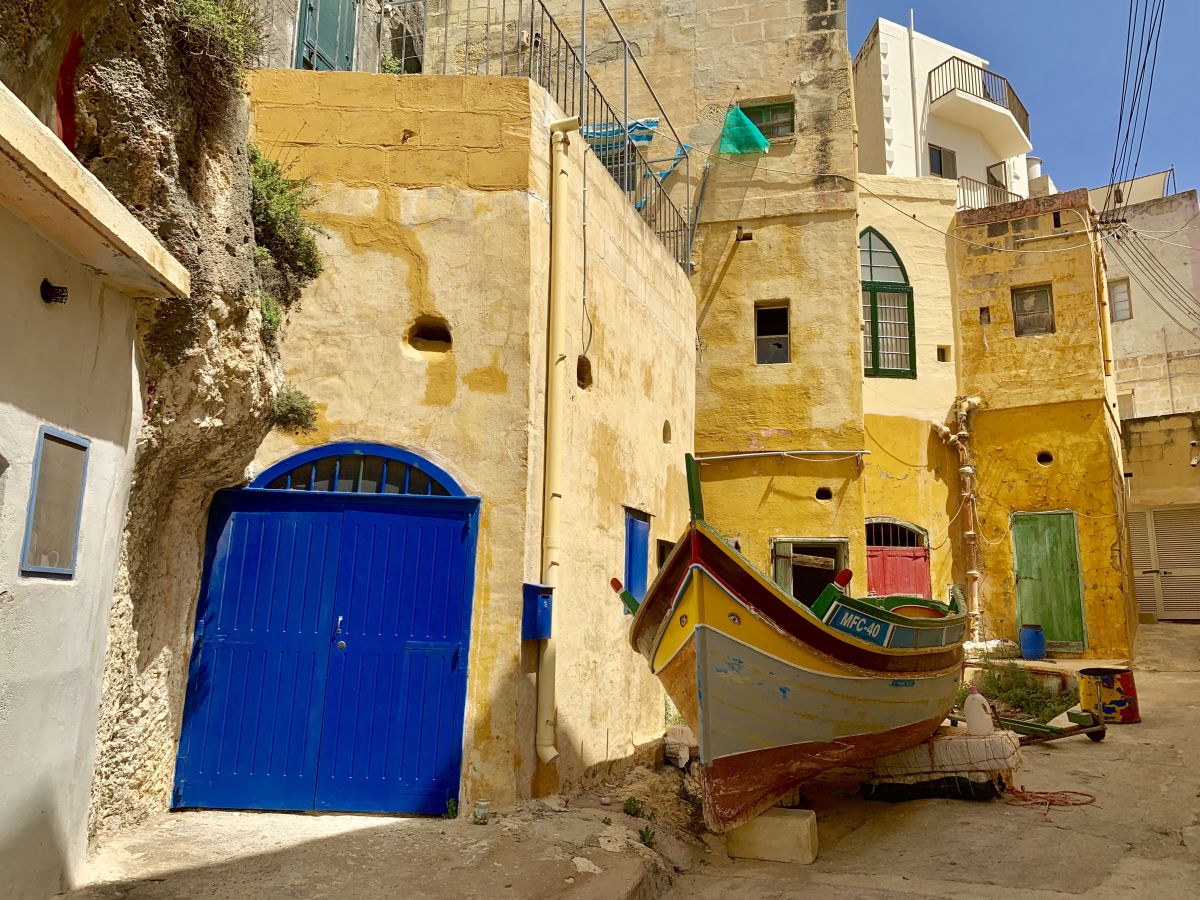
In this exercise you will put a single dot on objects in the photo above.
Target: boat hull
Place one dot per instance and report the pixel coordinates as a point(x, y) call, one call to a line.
point(769, 708)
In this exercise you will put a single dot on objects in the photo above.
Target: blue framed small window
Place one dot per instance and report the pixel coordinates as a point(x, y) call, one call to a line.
point(637, 551)
point(60, 463)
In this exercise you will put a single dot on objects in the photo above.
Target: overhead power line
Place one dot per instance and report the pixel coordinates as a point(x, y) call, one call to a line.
point(1143, 31)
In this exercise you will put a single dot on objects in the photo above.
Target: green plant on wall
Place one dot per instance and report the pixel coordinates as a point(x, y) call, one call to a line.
point(293, 410)
point(272, 316)
point(217, 41)
point(287, 255)
point(391, 65)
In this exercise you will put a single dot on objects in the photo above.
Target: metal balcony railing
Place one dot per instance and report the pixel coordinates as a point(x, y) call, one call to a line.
point(974, 194)
point(958, 74)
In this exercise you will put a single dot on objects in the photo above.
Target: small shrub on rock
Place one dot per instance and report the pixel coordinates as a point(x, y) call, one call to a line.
point(293, 410)
point(217, 40)
point(287, 255)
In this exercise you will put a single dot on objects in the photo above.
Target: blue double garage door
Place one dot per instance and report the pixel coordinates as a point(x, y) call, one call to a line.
point(329, 665)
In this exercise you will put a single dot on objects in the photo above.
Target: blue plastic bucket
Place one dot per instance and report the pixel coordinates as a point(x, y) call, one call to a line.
point(1033, 642)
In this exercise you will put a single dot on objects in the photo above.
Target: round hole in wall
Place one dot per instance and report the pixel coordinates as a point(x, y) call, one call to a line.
point(666, 431)
point(824, 493)
point(430, 333)
point(583, 372)
point(1045, 457)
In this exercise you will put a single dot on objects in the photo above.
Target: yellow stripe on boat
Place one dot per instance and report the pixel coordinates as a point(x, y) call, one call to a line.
point(704, 601)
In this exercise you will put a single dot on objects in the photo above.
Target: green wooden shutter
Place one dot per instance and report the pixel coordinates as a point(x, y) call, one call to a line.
point(326, 35)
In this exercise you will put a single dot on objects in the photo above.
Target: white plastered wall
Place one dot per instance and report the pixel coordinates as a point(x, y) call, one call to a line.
point(884, 97)
point(71, 366)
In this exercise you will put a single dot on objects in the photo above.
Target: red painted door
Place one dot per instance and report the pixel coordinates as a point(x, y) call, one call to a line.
point(898, 570)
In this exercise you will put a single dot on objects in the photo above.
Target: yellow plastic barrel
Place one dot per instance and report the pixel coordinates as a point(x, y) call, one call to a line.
point(1110, 695)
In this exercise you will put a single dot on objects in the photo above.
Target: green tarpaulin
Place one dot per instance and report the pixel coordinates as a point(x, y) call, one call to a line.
point(740, 135)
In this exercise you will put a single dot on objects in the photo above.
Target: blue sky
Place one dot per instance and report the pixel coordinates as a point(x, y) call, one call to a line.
point(1065, 60)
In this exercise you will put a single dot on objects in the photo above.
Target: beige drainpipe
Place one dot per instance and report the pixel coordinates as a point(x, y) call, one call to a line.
point(556, 374)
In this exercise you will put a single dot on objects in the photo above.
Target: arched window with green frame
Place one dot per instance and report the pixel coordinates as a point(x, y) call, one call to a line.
point(889, 329)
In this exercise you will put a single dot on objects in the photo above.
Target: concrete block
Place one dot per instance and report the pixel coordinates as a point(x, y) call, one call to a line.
point(778, 835)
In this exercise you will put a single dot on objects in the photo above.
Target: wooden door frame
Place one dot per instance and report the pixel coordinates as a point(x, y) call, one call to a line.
point(1078, 571)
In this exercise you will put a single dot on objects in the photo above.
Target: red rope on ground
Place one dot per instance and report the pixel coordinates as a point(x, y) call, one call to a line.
point(1043, 800)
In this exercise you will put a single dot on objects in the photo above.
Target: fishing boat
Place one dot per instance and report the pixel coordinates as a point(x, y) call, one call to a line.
point(778, 689)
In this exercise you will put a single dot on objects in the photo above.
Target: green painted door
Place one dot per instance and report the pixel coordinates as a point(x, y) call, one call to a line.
point(1046, 564)
point(326, 35)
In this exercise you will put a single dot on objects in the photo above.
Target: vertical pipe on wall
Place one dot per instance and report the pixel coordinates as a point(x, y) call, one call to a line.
point(916, 109)
point(556, 374)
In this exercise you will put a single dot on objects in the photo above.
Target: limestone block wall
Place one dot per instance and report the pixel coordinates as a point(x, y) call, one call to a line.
point(626, 437)
point(1066, 365)
point(1158, 453)
point(1045, 392)
point(423, 200)
point(73, 367)
point(434, 196)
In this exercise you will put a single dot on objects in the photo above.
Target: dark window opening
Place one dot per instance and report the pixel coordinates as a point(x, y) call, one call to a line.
point(985, 315)
point(771, 344)
point(804, 568)
point(774, 120)
point(1033, 310)
point(1057, 219)
point(943, 353)
point(893, 534)
point(1044, 458)
point(824, 493)
point(662, 551)
point(943, 162)
point(666, 434)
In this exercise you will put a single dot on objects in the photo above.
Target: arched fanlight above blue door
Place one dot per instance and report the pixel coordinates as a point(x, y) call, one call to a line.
point(359, 468)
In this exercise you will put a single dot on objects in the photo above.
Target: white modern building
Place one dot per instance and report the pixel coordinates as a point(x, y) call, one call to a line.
point(926, 108)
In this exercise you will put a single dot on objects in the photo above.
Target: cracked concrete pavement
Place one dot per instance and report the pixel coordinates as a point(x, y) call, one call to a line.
point(1140, 838)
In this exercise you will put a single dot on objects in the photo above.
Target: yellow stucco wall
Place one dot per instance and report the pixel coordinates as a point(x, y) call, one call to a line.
point(803, 253)
point(911, 475)
point(433, 195)
point(1085, 478)
point(1046, 392)
point(813, 402)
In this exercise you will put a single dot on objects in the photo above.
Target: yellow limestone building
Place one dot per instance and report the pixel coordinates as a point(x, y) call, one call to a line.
point(1044, 435)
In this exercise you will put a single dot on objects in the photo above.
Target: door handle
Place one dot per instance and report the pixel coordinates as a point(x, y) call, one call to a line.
point(339, 625)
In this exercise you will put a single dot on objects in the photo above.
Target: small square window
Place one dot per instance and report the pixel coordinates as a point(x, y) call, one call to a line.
point(1033, 310)
point(55, 503)
point(942, 162)
point(1118, 298)
point(771, 335)
point(985, 315)
point(943, 353)
point(774, 120)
